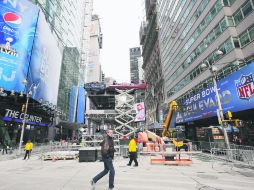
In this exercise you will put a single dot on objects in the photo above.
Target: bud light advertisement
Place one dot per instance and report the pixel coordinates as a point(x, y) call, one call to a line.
point(236, 93)
point(18, 20)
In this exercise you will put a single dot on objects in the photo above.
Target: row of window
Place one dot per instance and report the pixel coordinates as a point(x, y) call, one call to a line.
point(211, 37)
point(196, 15)
point(244, 39)
point(168, 40)
point(201, 27)
point(168, 24)
point(231, 68)
point(244, 11)
point(247, 36)
point(226, 47)
point(228, 3)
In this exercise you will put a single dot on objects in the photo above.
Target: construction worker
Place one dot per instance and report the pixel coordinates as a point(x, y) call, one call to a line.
point(28, 149)
point(133, 152)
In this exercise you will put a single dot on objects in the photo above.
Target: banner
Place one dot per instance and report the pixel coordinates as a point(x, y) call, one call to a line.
point(81, 105)
point(18, 20)
point(140, 112)
point(45, 64)
point(236, 94)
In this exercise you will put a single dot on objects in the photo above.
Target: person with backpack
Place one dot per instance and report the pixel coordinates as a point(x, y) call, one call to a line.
point(107, 152)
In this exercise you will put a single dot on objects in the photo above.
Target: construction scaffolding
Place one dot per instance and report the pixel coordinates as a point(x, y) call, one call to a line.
point(125, 113)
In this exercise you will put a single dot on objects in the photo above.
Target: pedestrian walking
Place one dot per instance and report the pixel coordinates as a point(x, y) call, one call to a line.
point(107, 152)
point(133, 152)
point(5, 147)
point(28, 149)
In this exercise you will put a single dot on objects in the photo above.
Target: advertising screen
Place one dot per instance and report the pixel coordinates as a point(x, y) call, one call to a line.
point(18, 19)
point(236, 94)
point(44, 70)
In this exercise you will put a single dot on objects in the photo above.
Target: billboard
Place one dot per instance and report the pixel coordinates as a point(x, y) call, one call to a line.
point(140, 112)
point(45, 67)
point(73, 104)
point(81, 105)
point(236, 94)
point(18, 19)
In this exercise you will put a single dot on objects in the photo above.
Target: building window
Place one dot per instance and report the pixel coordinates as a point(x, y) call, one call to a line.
point(247, 9)
point(251, 32)
point(236, 42)
point(238, 17)
point(244, 39)
point(230, 21)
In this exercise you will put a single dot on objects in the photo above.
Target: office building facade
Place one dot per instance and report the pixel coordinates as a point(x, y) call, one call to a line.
point(149, 40)
point(197, 32)
point(93, 68)
point(135, 65)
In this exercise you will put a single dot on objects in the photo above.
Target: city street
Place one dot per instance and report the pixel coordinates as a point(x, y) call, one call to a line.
point(70, 174)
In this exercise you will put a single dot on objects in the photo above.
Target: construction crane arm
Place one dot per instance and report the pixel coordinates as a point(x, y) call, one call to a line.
point(172, 106)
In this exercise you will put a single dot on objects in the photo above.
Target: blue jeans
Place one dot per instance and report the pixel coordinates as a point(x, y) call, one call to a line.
point(108, 167)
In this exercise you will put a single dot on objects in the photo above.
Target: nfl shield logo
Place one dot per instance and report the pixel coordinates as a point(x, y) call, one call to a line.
point(245, 86)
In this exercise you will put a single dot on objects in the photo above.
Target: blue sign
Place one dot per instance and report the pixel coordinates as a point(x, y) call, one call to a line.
point(81, 105)
point(236, 94)
point(72, 104)
point(18, 20)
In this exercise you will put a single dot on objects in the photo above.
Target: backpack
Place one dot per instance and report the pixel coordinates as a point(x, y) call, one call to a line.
point(105, 147)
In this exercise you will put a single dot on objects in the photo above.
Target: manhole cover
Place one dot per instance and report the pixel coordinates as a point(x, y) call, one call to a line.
point(205, 176)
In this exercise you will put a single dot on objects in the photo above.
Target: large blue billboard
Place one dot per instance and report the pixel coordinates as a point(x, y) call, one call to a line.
point(45, 66)
point(236, 94)
point(18, 19)
point(81, 105)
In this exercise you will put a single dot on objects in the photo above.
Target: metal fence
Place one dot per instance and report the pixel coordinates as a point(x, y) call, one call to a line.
point(238, 154)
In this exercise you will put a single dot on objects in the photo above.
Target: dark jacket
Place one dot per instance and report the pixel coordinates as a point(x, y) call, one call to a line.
point(110, 151)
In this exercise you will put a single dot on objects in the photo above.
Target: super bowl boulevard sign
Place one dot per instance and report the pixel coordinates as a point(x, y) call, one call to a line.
point(18, 20)
point(236, 94)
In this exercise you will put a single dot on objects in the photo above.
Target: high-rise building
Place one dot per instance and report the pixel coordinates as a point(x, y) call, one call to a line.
point(195, 38)
point(191, 32)
point(69, 20)
point(152, 64)
point(136, 65)
point(93, 68)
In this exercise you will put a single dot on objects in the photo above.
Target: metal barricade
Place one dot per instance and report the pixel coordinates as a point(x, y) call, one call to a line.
point(237, 154)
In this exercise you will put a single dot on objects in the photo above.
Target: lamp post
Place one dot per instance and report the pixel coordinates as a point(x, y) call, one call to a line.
point(25, 113)
point(213, 70)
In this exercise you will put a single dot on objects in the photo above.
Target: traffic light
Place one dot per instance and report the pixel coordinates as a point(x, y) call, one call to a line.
point(238, 123)
point(23, 108)
point(229, 113)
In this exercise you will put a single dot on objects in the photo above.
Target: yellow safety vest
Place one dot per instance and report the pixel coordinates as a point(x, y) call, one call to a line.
point(29, 146)
point(132, 146)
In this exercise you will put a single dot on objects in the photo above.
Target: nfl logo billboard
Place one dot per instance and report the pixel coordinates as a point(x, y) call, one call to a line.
point(245, 86)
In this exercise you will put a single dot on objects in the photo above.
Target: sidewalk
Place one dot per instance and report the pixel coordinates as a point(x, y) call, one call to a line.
point(71, 175)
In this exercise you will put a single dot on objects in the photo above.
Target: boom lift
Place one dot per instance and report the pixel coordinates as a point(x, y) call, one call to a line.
point(166, 132)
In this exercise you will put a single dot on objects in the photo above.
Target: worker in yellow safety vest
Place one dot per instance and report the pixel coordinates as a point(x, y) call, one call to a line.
point(133, 152)
point(28, 149)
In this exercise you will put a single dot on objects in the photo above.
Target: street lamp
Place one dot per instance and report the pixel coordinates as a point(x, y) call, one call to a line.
point(214, 70)
point(24, 119)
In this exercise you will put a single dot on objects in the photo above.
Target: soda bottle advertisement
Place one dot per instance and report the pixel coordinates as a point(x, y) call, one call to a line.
point(18, 20)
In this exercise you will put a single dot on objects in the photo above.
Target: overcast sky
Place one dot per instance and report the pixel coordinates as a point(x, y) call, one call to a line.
point(120, 22)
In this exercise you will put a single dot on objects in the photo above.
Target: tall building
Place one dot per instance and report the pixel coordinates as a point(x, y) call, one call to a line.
point(136, 65)
point(196, 33)
point(93, 68)
point(152, 64)
point(69, 21)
